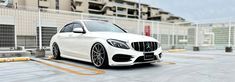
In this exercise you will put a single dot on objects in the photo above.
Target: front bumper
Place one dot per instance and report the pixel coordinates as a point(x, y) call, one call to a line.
point(131, 52)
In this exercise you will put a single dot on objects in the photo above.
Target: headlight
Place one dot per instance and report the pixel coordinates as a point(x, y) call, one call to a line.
point(118, 43)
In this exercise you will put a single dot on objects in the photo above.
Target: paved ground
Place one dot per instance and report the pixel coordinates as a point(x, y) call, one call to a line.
point(205, 66)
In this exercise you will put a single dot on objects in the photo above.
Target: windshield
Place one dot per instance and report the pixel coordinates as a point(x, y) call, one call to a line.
point(101, 26)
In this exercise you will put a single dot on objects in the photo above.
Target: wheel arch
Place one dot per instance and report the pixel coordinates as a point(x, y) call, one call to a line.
point(102, 41)
point(101, 44)
point(107, 56)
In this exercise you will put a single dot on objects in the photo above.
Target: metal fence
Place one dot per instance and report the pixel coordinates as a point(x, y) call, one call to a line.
point(33, 28)
point(213, 35)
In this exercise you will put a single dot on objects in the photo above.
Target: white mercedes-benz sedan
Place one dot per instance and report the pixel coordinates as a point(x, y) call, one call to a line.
point(104, 44)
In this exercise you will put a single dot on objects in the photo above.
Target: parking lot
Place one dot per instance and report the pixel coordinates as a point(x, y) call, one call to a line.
point(188, 66)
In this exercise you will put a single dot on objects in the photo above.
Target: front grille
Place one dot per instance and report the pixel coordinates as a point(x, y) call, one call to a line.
point(145, 46)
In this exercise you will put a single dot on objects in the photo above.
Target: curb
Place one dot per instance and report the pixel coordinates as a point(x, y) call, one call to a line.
point(14, 59)
point(176, 50)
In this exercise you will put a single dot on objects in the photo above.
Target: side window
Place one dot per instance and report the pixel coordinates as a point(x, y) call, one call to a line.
point(62, 30)
point(77, 25)
point(68, 28)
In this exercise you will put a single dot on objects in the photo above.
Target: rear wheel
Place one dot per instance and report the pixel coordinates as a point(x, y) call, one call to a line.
point(99, 56)
point(56, 51)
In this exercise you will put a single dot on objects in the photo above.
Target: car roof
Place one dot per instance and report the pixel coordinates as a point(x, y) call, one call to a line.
point(79, 20)
point(89, 20)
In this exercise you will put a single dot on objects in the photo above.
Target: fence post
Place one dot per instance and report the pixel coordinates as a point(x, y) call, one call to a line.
point(173, 36)
point(138, 26)
point(40, 52)
point(158, 32)
point(143, 27)
point(152, 30)
point(229, 34)
point(185, 37)
point(114, 19)
point(82, 16)
point(16, 11)
point(233, 35)
point(229, 47)
point(168, 38)
point(176, 35)
point(40, 29)
point(196, 47)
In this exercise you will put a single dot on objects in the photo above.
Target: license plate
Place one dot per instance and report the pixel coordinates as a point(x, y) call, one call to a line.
point(148, 56)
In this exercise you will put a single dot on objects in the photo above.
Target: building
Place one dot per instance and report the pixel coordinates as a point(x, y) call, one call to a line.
point(159, 14)
point(120, 8)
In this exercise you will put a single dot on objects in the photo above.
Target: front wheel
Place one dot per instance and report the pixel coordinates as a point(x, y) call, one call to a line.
point(56, 51)
point(99, 56)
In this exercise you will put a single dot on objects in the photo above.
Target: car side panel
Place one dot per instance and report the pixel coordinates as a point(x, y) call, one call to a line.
point(79, 45)
point(83, 48)
point(63, 40)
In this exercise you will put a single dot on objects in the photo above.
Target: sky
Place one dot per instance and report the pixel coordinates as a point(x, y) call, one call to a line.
point(197, 10)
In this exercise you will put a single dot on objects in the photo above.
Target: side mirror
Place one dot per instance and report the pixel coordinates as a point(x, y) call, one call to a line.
point(78, 30)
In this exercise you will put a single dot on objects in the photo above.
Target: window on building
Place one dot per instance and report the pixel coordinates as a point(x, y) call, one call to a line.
point(7, 35)
point(47, 33)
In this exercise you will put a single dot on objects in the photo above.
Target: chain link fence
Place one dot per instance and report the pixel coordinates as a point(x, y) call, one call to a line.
point(33, 28)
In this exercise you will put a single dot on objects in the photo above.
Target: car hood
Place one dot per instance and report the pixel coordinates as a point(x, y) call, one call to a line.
point(128, 37)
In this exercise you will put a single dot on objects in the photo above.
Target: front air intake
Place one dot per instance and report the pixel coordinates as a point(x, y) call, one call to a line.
point(122, 58)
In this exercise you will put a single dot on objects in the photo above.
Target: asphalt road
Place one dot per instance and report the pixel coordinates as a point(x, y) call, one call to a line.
point(207, 66)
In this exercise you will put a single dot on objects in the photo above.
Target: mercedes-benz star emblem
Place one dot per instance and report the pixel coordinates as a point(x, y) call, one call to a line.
point(148, 47)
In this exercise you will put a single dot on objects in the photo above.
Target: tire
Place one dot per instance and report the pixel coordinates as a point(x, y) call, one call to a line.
point(99, 56)
point(56, 51)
